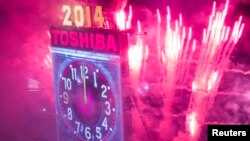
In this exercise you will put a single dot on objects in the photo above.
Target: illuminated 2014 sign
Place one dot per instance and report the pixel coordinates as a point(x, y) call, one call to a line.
point(97, 40)
point(83, 16)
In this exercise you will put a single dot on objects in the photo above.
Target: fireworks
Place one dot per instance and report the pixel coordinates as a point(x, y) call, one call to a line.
point(217, 45)
point(210, 55)
point(135, 53)
point(122, 21)
point(192, 123)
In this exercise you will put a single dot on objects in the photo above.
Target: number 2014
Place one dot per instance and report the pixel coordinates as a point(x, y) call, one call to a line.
point(82, 16)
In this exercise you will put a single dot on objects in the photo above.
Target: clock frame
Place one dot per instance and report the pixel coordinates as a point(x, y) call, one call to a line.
point(82, 112)
point(100, 119)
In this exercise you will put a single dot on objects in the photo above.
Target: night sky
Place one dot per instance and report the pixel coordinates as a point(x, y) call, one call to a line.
point(27, 113)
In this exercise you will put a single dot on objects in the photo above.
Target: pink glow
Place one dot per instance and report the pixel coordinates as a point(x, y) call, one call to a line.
point(49, 49)
point(33, 85)
point(107, 24)
point(48, 58)
point(146, 52)
point(192, 123)
point(218, 43)
point(47, 64)
point(177, 46)
point(130, 15)
point(158, 16)
point(121, 20)
point(180, 50)
point(213, 79)
point(48, 61)
point(48, 33)
point(138, 27)
point(213, 40)
point(180, 19)
point(135, 54)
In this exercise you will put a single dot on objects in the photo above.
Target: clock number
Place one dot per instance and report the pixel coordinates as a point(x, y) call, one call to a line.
point(108, 110)
point(98, 132)
point(87, 133)
point(104, 90)
point(98, 17)
point(84, 71)
point(67, 9)
point(65, 98)
point(70, 115)
point(105, 123)
point(79, 16)
point(73, 72)
point(79, 127)
point(95, 82)
point(67, 83)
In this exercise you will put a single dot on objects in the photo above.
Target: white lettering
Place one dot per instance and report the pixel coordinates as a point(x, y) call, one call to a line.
point(215, 132)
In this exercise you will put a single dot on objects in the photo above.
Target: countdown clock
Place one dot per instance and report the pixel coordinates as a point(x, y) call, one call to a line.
point(87, 84)
point(88, 97)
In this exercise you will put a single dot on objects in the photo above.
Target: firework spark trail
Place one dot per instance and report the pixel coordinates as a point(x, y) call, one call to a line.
point(186, 60)
point(136, 52)
point(238, 71)
point(217, 45)
point(158, 34)
point(130, 15)
point(123, 22)
point(216, 49)
point(178, 53)
point(135, 56)
point(107, 24)
point(192, 123)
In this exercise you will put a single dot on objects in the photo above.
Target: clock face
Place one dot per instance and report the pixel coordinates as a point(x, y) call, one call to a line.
point(86, 101)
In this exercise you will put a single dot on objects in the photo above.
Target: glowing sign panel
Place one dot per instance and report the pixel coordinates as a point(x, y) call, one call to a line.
point(82, 16)
point(97, 40)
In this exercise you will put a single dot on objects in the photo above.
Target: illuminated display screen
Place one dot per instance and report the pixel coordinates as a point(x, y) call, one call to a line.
point(88, 96)
point(96, 40)
point(87, 76)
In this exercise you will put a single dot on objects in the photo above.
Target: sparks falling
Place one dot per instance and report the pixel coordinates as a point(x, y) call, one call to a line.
point(177, 53)
point(123, 22)
point(217, 45)
point(181, 51)
point(135, 54)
